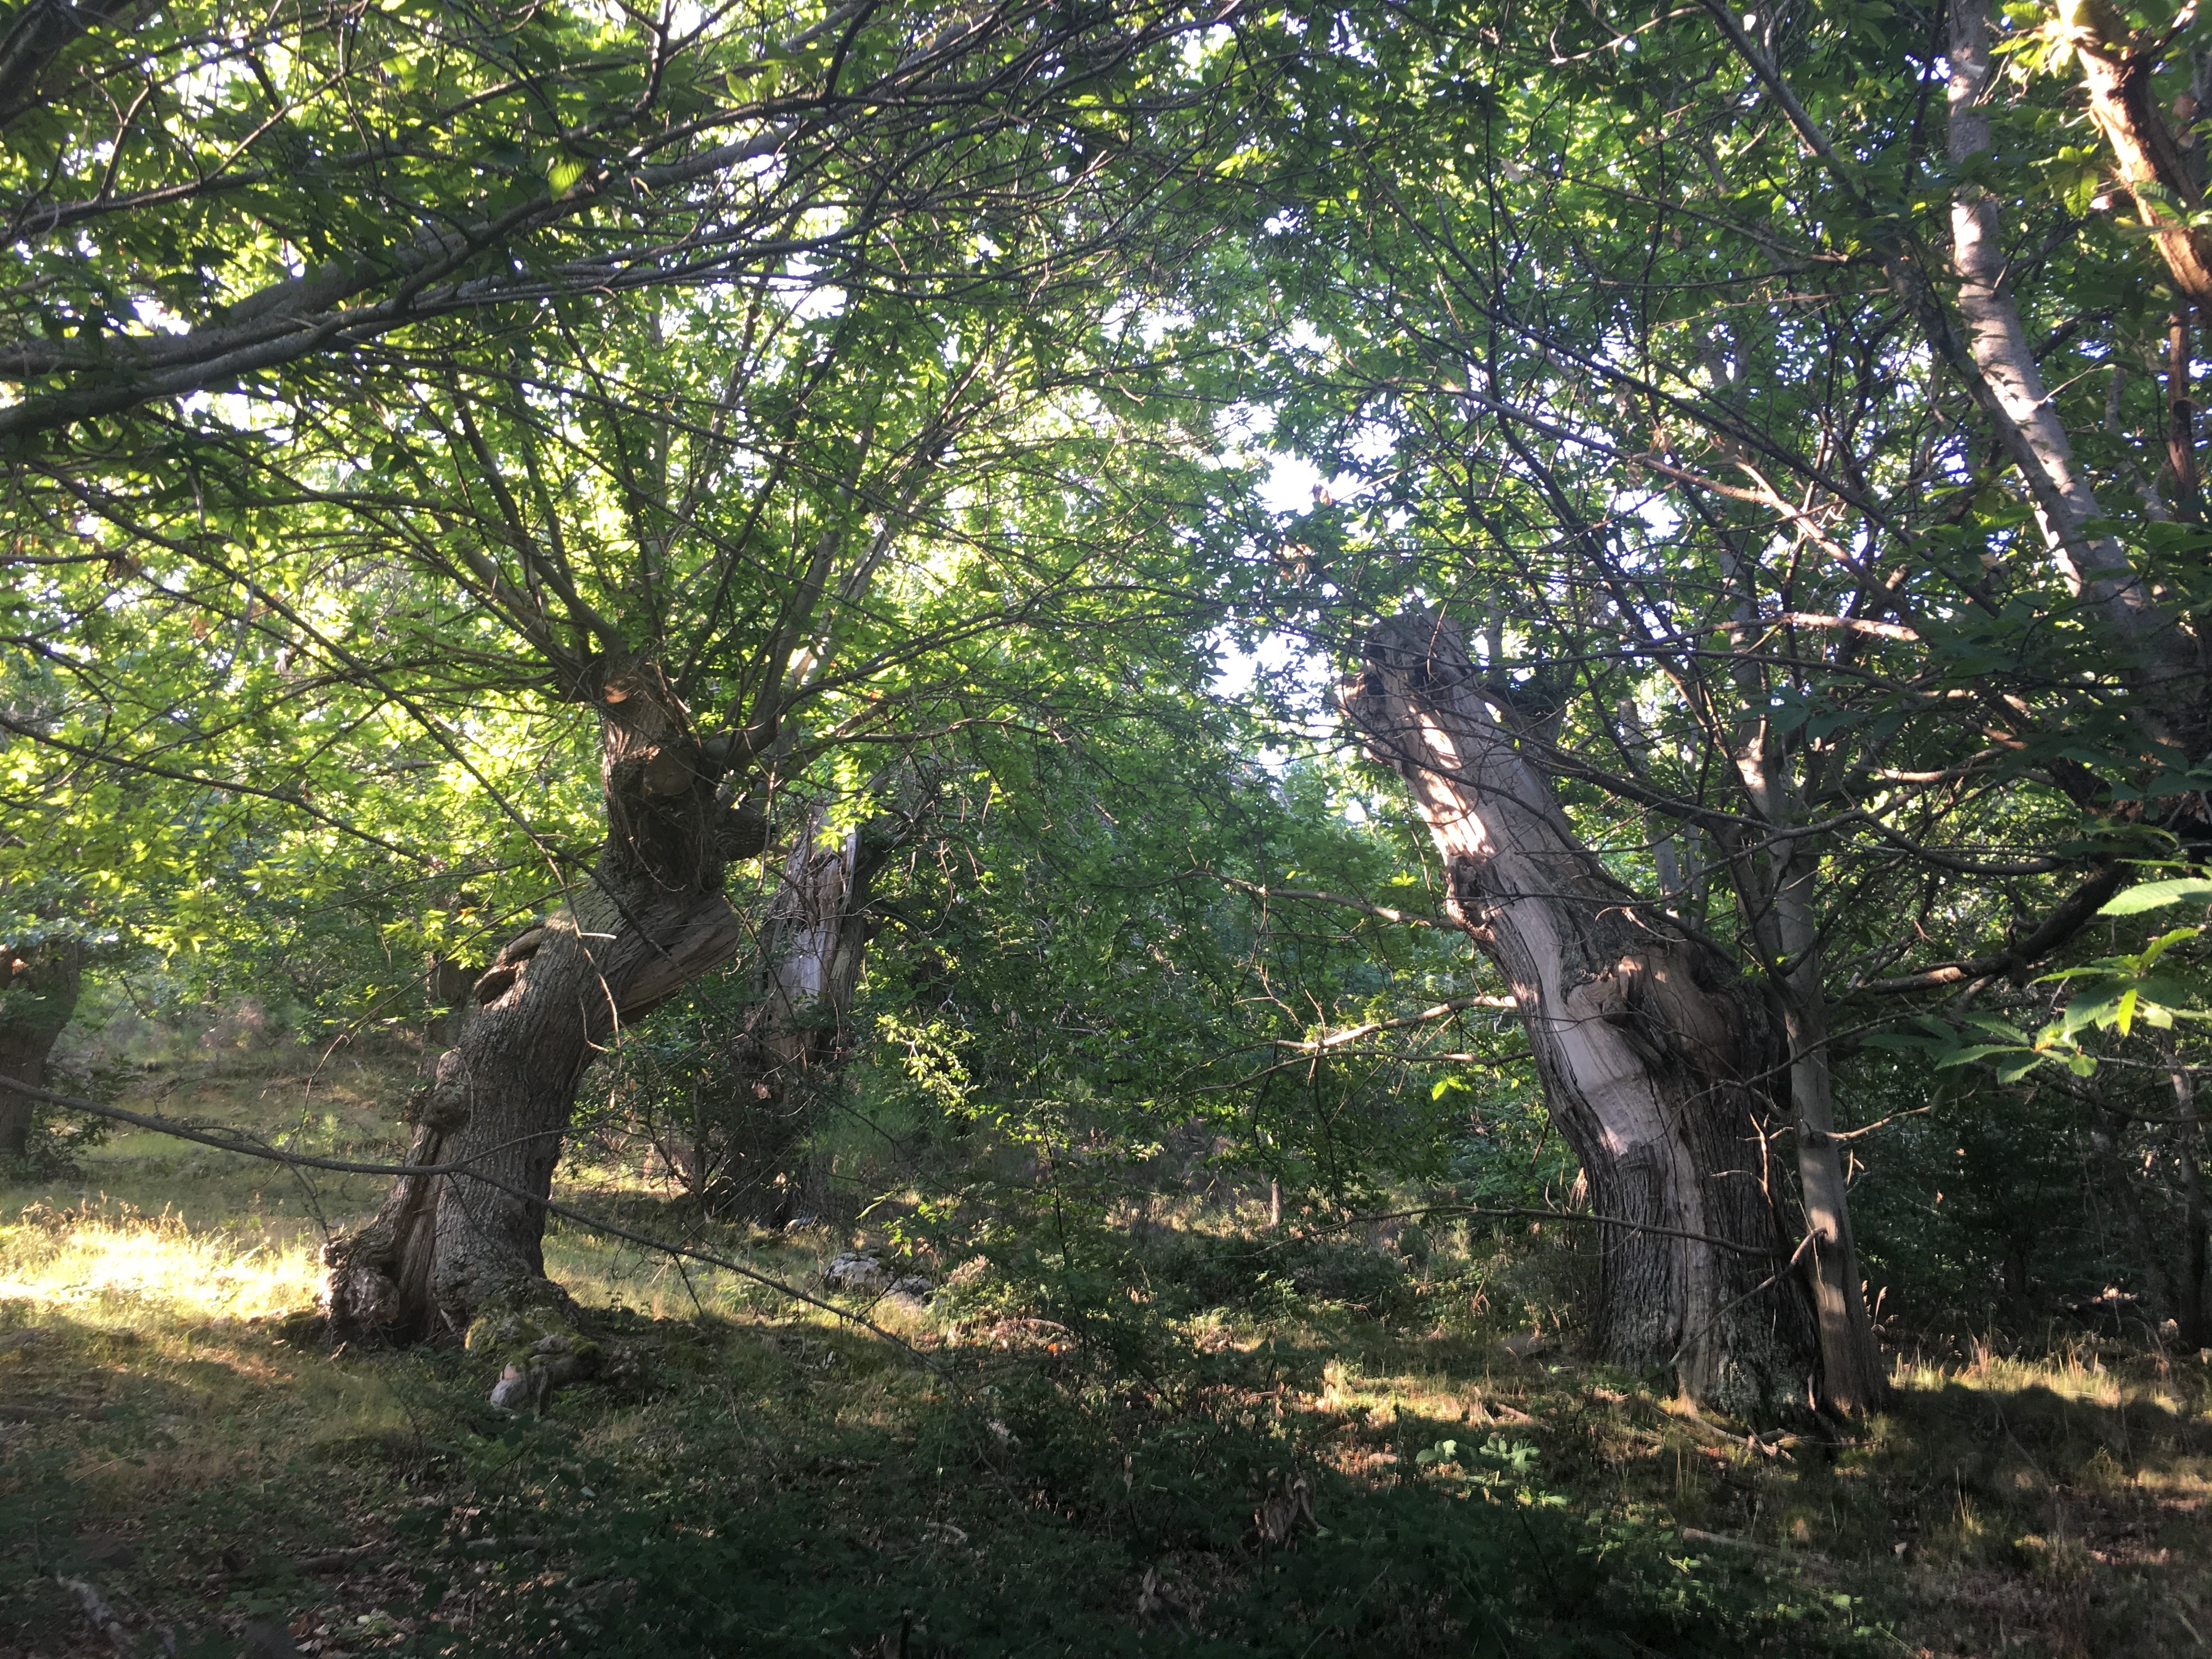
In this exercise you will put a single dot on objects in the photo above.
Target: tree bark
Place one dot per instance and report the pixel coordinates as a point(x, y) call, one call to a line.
point(2181, 415)
point(2118, 82)
point(39, 989)
point(649, 919)
point(813, 944)
point(1654, 1056)
point(2094, 567)
point(2189, 1311)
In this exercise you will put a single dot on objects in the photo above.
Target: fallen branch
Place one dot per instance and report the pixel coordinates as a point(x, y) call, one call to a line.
point(100, 1615)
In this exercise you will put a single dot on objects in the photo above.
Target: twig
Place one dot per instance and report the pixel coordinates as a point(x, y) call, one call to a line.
point(1440, 1058)
point(1518, 1213)
point(1384, 911)
point(1868, 1128)
point(1353, 1033)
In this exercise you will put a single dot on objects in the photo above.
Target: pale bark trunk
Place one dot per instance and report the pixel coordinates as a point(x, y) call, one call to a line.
point(649, 919)
point(1653, 1056)
point(813, 944)
point(2095, 567)
point(39, 989)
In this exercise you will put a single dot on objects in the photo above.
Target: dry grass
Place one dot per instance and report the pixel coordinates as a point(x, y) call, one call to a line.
point(108, 1263)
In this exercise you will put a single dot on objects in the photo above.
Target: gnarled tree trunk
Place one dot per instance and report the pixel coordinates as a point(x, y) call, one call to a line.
point(649, 919)
point(39, 987)
point(1654, 1057)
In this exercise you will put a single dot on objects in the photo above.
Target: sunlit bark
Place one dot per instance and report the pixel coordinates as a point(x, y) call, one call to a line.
point(1654, 1057)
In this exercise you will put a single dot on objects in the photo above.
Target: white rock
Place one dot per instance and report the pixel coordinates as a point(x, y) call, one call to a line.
point(859, 1274)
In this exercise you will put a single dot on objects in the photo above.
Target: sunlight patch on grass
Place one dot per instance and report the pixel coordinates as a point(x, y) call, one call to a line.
point(115, 1256)
point(2076, 1372)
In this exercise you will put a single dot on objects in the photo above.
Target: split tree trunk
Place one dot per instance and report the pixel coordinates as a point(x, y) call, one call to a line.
point(39, 989)
point(1654, 1056)
point(649, 919)
point(813, 941)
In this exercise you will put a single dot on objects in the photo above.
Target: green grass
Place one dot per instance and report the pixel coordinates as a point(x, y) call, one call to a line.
point(1091, 1470)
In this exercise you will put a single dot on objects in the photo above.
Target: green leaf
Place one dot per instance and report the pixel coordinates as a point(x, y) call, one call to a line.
point(2156, 894)
point(561, 172)
point(1979, 1051)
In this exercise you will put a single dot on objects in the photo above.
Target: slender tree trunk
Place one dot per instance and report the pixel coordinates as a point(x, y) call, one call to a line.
point(2194, 1331)
point(2119, 1171)
point(39, 989)
point(2094, 567)
point(1653, 1054)
point(2180, 416)
point(813, 942)
point(1851, 1374)
point(648, 919)
point(1777, 883)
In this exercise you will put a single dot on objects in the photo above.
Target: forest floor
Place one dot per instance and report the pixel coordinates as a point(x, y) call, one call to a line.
point(1207, 1441)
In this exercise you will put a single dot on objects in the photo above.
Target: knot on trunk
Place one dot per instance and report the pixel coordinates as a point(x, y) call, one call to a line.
point(1423, 648)
point(441, 1107)
point(507, 966)
point(1468, 895)
point(670, 770)
point(743, 832)
point(1361, 694)
point(359, 1295)
point(1652, 995)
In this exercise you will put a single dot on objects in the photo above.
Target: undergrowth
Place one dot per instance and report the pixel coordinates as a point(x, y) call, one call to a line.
point(1203, 1440)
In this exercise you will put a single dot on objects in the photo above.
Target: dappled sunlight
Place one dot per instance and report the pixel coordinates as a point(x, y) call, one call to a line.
point(2076, 1372)
point(114, 1257)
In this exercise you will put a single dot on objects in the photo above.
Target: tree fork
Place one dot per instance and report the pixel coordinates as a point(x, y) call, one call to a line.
point(650, 919)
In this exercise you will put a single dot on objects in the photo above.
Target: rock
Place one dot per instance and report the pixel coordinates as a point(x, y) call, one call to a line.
point(912, 1292)
point(857, 1274)
point(553, 1361)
